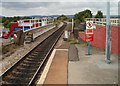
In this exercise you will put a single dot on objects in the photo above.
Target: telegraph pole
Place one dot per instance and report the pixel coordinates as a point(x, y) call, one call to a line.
point(108, 35)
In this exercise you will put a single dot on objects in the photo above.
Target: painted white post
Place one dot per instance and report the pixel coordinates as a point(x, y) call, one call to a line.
point(35, 22)
point(38, 23)
point(72, 25)
point(23, 26)
point(30, 23)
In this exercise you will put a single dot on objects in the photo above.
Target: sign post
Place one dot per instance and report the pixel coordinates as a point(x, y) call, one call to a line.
point(89, 34)
point(88, 48)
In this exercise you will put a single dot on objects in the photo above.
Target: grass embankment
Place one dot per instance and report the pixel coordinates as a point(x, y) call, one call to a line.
point(1, 24)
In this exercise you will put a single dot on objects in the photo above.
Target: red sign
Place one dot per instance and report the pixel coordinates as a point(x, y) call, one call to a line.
point(89, 37)
point(89, 31)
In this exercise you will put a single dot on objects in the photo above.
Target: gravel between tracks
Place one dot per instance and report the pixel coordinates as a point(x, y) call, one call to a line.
point(8, 61)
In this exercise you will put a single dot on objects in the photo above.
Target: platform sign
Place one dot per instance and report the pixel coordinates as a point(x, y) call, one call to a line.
point(89, 27)
point(89, 33)
point(25, 24)
point(89, 24)
point(89, 37)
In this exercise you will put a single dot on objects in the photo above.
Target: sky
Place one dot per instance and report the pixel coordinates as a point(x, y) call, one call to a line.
point(54, 7)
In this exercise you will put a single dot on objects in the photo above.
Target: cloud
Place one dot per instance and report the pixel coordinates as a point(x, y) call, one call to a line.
point(25, 5)
point(59, 0)
point(51, 8)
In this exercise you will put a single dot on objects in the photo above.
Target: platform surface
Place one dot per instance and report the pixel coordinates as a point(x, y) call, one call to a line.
point(57, 73)
point(56, 69)
point(92, 69)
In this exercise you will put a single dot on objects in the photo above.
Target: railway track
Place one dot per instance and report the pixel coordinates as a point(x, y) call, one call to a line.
point(26, 69)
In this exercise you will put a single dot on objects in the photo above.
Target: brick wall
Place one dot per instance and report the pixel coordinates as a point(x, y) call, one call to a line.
point(100, 38)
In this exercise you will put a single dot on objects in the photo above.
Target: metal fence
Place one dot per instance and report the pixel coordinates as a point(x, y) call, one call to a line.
point(102, 21)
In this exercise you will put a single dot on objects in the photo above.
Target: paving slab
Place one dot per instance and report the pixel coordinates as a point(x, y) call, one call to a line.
point(92, 69)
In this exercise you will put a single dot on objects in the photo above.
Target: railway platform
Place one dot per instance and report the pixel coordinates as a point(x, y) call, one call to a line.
point(56, 70)
point(87, 70)
point(92, 69)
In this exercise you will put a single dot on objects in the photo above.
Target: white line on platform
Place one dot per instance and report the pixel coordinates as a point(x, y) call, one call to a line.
point(62, 49)
point(46, 69)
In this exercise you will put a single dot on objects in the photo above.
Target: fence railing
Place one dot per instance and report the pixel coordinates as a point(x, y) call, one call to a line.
point(102, 21)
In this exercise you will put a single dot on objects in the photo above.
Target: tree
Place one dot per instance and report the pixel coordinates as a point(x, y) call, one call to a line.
point(80, 17)
point(7, 20)
point(99, 15)
point(62, 17)
point(77, 21)
point(6, 24)
point(69, 19)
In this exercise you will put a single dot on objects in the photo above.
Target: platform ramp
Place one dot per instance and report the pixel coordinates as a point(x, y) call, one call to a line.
point(73, 53)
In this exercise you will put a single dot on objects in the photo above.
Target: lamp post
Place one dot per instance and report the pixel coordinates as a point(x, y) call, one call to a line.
point(72, 25)
point(108, 35)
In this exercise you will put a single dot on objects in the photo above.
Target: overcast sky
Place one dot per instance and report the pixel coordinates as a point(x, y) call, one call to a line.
point(36, 7)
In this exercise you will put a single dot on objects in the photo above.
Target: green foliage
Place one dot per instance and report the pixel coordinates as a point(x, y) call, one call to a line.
point(99, 15)
point(62, 17)
point(73, 41)
point(80, 17)
point(7, 20)
point(1, 24)
point(6, 24)
point(76, 41)
point(77, 21)
point(69, 19)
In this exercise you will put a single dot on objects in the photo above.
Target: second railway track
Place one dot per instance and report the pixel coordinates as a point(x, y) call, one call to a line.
point(26, 69)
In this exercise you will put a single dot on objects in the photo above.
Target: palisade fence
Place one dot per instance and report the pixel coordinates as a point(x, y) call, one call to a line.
point(102, 21)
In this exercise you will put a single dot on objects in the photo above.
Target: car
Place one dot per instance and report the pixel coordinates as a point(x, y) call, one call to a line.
point(5, 36)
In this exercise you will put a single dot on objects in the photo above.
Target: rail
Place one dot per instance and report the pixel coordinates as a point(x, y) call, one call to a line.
point(25, 70)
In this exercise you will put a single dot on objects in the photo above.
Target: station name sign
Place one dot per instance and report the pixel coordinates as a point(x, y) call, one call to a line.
point(25, 24)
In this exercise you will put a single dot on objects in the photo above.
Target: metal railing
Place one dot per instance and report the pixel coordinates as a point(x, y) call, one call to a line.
point(102, 21)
